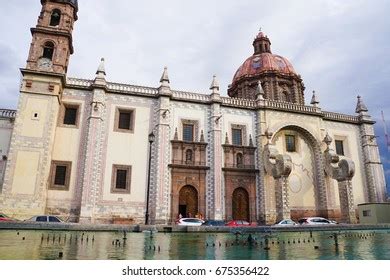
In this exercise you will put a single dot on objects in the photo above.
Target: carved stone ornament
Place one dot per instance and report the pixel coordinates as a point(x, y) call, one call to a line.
point(345, 168)
point(343, 171)
point(275, 164)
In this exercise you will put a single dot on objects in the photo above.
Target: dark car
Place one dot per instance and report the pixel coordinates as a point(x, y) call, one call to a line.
point(214, 223)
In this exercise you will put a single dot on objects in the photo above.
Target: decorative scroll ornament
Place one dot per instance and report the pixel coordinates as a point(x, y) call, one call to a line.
point(342, 171)
point(345, 168)
point(277, 165)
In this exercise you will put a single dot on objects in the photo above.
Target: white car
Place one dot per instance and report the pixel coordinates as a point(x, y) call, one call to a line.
point(285, 222)
point(189, 222)
point(315, 221)
point(45, 219)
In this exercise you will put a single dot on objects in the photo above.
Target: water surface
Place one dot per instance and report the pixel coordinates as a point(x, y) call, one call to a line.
point(49, 245)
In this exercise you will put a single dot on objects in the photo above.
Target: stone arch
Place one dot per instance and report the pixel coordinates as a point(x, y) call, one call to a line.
point(188, 201)
point(48, 50)
point(55, 17)
point(320, 192)
point(240, 204)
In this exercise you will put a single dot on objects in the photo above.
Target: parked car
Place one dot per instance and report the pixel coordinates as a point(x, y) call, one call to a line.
point(45, 219)
point(189, 222)
point(239, 223)
point(315, 221)
point(214, 223)
point(5, 218)
point(285, 222)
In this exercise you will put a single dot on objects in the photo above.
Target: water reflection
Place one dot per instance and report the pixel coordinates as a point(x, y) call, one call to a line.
point(48, 245)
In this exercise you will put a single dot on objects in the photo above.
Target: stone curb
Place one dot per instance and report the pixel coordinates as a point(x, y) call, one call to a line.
point(174, 228)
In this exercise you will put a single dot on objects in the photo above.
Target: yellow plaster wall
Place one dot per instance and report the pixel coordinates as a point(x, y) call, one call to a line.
point(128, 149)
point(66, 148)
point(350, 134)
point(178, 114)
point(301, 184)
point(31, 126)
point(229, 119)
point(25, 174)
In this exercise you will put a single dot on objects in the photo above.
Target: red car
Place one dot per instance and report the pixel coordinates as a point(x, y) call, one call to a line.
point(239, 223)
point(4, 218)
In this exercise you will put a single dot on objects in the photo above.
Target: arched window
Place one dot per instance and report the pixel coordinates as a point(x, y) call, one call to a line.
point(189, 155)
point(239, 160)
point(48, 50)
point(55, 18)
point(285, 96)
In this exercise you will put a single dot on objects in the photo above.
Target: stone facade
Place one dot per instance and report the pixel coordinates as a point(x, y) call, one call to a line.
point(261, 155)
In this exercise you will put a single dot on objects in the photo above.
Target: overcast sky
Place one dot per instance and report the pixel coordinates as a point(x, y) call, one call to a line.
point(340, 48)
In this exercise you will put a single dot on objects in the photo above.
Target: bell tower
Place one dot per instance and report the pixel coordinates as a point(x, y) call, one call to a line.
point(25, 187)
point(52, 42)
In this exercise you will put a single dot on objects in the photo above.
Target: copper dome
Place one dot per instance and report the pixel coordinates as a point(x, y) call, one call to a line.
point(263, 62)
point(269, 69)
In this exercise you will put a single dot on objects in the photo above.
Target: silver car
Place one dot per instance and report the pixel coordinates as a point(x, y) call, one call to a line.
point(189, 222)
point(285, 223)
point(45, 219)
point(315, 221)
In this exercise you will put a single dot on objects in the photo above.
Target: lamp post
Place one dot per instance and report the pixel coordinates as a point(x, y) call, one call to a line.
point(151, 140)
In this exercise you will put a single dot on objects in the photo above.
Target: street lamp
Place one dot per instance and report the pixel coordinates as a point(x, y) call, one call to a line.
point(151, 140)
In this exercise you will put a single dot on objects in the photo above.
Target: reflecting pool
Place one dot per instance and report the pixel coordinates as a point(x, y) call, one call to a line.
point(339, 245)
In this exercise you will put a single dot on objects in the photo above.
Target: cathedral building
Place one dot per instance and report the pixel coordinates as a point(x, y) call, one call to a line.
point(95, 151)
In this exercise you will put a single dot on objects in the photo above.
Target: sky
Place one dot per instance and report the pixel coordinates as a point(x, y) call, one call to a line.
point(340, 48)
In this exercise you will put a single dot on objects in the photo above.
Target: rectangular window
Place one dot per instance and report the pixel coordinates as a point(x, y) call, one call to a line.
point(121, 179)
point(290, 143)
point(237, 136)
point(188, 132)
point(60, 175)
point(339, 147)
point(124, 120)
point(70, 115)
point(366, 213)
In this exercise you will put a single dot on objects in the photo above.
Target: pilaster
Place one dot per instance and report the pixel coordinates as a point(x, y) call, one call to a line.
point(375, 179)
point(94, 147)
point(160, 189)
point(216, 205)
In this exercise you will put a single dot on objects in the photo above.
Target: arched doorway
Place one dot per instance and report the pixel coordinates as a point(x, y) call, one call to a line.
point(188, 201)
point(240, 204)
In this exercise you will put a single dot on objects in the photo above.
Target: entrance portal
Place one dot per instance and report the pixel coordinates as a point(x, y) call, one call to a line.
point(240, 204)
point(188, 201)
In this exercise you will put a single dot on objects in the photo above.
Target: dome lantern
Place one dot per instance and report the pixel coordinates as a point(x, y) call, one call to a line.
point(261, 44)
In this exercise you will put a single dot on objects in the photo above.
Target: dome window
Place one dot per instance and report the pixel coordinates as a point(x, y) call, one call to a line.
point(55, 18)
point(285, 97)
point(48, 50)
